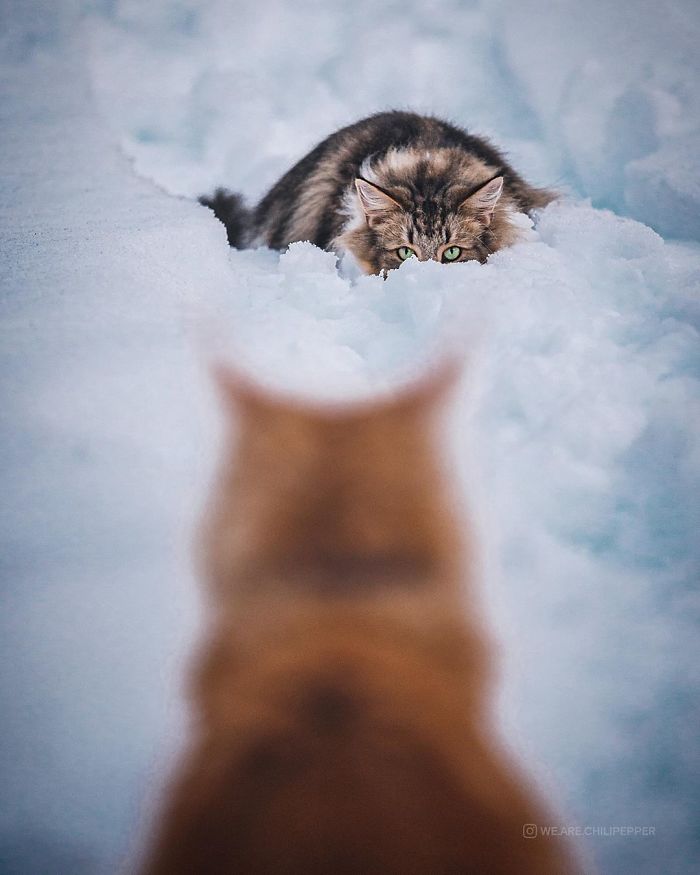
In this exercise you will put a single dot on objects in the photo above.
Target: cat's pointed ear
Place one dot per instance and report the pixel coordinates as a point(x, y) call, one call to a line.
point(431, 389)
point(482, 202)
point(235, 389)
point(375, 201)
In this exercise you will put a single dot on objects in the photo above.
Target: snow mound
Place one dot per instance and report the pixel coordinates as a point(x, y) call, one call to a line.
point(615, 90)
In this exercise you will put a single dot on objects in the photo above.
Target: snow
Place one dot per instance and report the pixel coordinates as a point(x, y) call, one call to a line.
point(575, 434)
point(614, 85)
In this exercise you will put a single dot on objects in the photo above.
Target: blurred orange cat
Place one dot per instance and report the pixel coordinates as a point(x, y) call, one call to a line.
point(342, 695)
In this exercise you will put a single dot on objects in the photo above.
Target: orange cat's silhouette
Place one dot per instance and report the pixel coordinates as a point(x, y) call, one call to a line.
point(342, 693)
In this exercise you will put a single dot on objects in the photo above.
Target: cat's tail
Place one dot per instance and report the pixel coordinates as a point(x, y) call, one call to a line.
point(230, 208)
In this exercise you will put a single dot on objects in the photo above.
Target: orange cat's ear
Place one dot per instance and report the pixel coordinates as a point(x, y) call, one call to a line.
point(236, 389)
point(483, 201)
point(431, 389)
point(375, 201)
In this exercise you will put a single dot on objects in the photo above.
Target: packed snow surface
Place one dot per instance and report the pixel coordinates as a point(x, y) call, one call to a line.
point(575, 434)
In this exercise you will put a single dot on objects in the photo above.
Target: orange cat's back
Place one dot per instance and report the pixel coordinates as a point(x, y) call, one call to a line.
point(342, 693)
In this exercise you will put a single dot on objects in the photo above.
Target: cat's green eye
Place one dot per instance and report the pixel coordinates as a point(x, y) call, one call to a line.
point(404, 252)
point(452, 253)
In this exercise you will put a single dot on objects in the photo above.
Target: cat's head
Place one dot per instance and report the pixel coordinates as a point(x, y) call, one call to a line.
point(353, 487)
point(426, 206)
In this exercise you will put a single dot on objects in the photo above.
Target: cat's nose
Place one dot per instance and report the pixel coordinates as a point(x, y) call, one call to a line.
point(428, 252)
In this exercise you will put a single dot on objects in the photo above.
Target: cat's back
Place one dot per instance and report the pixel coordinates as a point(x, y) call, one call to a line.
point(307, 202)
point(345, 750)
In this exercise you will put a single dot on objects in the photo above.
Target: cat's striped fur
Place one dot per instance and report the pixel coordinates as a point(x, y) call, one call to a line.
point(394, 179)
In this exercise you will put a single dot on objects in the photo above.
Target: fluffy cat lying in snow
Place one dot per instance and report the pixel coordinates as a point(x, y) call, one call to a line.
point(343, 691)
point(392, 186)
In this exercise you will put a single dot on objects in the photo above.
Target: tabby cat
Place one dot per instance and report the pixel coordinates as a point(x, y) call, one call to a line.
point(343, 692)
point(392, 186)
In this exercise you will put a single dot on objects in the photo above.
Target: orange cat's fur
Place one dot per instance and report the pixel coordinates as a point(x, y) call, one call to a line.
point(342, 694)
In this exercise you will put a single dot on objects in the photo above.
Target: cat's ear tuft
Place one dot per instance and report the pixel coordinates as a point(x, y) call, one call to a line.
point(228, 384)
point(235, 388)
point(375, 202)
point(483, 201)
point(242, 396)
point(432, 388)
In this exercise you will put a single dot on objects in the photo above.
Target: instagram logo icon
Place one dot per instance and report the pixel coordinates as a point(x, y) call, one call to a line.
point(529, 830)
